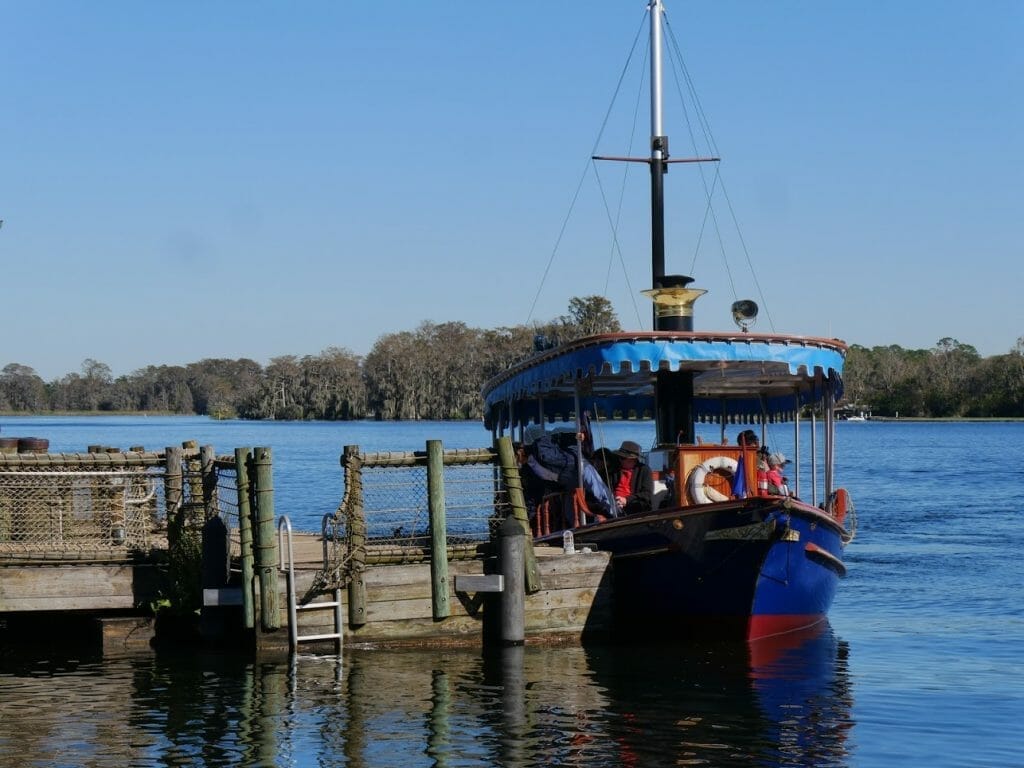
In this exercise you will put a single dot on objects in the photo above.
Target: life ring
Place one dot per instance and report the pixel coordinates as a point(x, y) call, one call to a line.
point(838, 503)
point(703, 494)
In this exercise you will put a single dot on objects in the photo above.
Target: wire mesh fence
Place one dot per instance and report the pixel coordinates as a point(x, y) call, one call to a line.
point(111, 510)
point(395, 502)
point(226, 500)
point(387, 499)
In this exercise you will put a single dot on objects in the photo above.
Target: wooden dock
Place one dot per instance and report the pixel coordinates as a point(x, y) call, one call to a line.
point(573, 604)
point(109, 535)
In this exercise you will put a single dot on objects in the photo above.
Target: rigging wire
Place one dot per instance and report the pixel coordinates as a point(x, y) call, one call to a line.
point(705, 125)
point(583, 176)
point(614, 224)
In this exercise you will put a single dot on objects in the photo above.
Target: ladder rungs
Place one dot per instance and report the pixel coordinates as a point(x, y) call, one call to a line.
point(314, 606)
point(332, 636)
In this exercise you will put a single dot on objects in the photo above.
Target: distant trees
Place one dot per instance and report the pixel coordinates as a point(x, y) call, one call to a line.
point(21, 389)
point(437, 370)
point(591, 315)
point(949, 380)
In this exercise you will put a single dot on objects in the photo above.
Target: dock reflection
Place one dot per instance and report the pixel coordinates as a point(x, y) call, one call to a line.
point(697, 705)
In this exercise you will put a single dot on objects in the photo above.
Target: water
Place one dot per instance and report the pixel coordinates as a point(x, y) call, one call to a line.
point(920, 664)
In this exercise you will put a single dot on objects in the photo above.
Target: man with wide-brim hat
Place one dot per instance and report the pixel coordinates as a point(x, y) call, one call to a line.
point(632, 482)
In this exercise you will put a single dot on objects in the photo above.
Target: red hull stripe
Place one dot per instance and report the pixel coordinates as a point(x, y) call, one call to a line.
point(779, 624)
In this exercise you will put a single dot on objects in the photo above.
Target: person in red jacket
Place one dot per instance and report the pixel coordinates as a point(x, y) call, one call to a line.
point(632, 483)
point(777, 483)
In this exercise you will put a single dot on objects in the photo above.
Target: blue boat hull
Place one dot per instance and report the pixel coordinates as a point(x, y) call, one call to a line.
point(754, 568)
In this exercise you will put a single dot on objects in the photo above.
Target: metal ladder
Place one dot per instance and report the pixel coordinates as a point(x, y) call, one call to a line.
point(287, 567)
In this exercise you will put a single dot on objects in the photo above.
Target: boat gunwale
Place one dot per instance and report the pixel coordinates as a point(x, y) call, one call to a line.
point(767, 504)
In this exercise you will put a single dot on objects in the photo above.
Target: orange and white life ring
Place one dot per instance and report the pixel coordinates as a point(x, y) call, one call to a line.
point(704, 494)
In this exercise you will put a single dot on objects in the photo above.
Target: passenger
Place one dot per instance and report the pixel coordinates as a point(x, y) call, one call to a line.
point(777, 484)
point(558, 465)
point(632, 483)
point(535, 486)
point(748, 439)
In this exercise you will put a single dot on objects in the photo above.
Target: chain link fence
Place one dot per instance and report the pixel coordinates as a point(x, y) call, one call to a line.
point(69, 510)
point(226, 500)
point(385, 513)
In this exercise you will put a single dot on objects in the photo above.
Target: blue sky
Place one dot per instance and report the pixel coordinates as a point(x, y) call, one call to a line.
point(188, 180)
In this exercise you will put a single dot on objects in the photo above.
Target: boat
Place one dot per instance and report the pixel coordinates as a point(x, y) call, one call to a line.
point(719, 554)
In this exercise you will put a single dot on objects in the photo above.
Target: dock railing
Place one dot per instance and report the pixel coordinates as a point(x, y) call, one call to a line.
point(96, 506)
point(418, 506)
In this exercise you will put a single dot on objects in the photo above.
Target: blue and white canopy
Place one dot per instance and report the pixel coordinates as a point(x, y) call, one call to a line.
point(739, 377)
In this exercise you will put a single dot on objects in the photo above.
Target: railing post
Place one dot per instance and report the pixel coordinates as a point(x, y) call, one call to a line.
point(183, 540)
point(242, 460)
point(209, 476)
point(438, 530)
point(194, 479)
point(514, 486)
point(355, 525)
point(266, 542)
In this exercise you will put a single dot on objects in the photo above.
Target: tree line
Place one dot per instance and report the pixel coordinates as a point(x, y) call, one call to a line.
point(435, 372)
point(950, 380)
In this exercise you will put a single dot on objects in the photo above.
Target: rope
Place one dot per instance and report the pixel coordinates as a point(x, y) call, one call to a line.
point(851, 516)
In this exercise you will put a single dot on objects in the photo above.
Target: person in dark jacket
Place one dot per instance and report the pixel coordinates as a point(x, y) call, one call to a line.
point(555, 464)
point(632, 483)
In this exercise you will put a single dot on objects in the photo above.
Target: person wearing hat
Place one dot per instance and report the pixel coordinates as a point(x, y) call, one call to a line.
point(632, 483)
point(776, 482)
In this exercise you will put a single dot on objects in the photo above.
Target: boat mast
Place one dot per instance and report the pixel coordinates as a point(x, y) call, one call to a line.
point(673, 301)
point(659, 153)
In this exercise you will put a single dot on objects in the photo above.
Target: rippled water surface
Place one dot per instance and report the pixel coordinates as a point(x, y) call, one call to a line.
point(920, 665)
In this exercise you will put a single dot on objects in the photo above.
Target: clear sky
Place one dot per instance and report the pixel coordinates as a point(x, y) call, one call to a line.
point(193, 179)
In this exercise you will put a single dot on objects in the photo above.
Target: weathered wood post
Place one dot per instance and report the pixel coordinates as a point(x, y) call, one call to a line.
point(355, 524)
point(514, 485)
point(208, 472)
point(438, 530)
point(243, 457)
point(216, 554)
point(511, 547)
point(266, 543)
point(183, 543)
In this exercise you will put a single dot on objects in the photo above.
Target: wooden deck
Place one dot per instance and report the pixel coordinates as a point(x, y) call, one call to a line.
point(78, 585)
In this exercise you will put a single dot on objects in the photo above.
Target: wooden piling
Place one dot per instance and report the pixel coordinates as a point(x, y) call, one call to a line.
point(209, 481)
point(511, 546)
point(438, 530)
point(514, 486)
point(243, 457)
point(355, 524)
point(266, 542)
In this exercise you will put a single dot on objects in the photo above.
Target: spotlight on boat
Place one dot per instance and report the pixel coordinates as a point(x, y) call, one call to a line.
point(744, 313)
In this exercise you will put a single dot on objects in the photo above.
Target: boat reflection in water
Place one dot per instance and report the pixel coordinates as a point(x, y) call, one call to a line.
point(780, 701)
point(608, 706)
